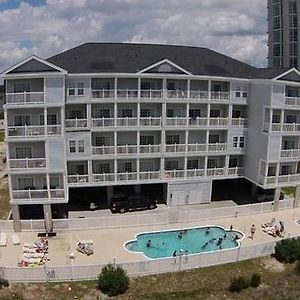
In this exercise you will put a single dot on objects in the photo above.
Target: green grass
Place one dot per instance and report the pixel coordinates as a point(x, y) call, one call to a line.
point(289, 191)
point(207, 283)
point(4, 199)
point(2, 135)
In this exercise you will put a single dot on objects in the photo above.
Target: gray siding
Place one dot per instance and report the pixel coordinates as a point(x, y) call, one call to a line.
point(278, 96)
point(56, 154)
point(54, 90)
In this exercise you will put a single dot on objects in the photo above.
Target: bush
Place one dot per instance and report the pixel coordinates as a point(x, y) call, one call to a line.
point(288, 250)
point(255, 280)
point(238, 283)
point(297, 268)
point(113, 280)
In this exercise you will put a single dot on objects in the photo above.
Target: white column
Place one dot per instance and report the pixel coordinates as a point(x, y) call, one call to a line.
point(16, 217)
point(276, 199)
point(297, 197)
point(48, 217)
point(139, 88)
point(89, 114)
point(209, 89)
point(164, 88)
point(271, 120)
point(115, 142)
point(138, 113)
point(45, 121)
point(116, 87)
point(62, 112)
point(115, 114)
point(188, 87)
point(90, 170)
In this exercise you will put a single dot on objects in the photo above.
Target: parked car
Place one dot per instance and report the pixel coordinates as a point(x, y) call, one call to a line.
point(268, 195)
point(123, 204)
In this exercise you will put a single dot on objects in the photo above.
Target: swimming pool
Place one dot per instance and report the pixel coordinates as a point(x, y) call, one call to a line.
point(193, 240)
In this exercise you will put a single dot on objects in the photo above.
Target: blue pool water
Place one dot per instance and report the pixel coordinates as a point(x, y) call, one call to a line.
point(164, 243)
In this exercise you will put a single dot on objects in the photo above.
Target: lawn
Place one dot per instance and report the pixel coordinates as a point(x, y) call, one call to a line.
point(2, 135)
point(289, 191)
point(4, 198)
point(278, 282)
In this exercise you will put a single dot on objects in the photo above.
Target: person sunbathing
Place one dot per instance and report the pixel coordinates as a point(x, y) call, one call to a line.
point(269, 224)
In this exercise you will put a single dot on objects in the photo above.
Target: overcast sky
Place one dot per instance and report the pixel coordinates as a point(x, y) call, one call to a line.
point(46, 27)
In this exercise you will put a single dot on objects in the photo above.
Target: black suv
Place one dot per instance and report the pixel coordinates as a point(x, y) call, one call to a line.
point(122, 204)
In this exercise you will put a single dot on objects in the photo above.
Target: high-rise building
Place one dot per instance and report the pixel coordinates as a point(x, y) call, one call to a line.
point(283, 33)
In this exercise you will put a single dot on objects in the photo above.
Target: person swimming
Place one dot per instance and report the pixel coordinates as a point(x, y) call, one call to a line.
point(212, 240)
point(180, 234)
point(149, 243)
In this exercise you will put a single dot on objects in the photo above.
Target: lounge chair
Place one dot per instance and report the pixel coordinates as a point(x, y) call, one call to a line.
point(15, 239)
point(3, 239)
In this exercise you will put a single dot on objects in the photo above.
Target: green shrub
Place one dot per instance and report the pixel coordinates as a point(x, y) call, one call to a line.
point(113, 280)
point(238, 283)
point(288, 250)
point(255, 280)
point(297, 268)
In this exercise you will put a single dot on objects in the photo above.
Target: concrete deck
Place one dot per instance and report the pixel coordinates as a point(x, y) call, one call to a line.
point(108, 243)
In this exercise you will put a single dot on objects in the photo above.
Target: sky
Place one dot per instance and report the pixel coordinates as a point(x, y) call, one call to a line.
point(237, 28)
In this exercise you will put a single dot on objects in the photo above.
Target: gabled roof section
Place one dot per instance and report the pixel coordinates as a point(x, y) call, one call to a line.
point(290, 75)
point(33, 64)
point(165, 66)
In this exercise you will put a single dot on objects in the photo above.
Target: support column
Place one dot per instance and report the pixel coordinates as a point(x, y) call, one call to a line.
point(16, 217)
point(109, 194)
point(276, 199)
point(297, 197)
point(48, 217)
point(253, 192)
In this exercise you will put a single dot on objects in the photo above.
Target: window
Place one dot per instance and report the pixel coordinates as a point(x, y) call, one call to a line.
point(238, 142)
point(21, 87)
point(277, 50)
point(51, 119)
point(192, 164)
point(293, 62)
point(215, 113)
point(25, 183)
point(214, 138)
point(147, 140)
point(236, 113)
point(127, 167)
point(276, 118)
point(81, 146)
point(276, 22)
point(125, 113)
point(102, 113)
point(72, 146)
point(101, 85)
point(76, 114)
point(148, 85)
point(291, 119)
point(241, 92)
point(172, 139)
point(285, 170)
point(173, 112)
point(233, 162)
point(101, 141)
point(271, 171)
point(147, 112)
point(195, 113)
point(277, 36)
point(289, 144)
point(23, 152)
point(54, 182)
point(212, 163)
point(172, 165)
point(102, 168)
point(76, 89)
point(293, 35)
point(22, 120)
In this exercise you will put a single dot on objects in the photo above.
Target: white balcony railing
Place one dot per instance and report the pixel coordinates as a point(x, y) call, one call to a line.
point(176, 148)
point(152, 94)
point(281, 127)
point(127, 94)
point(195, 173)
point(171, 174)
point(199, 95)
point(76, 124)
point(208, 121)
point(127, 122)
point(25, 98)
point(73, 179)
point(177, 94)
point(290, 153)
point(292, 101)
point(103, 94)
point(30, 194)
point(104, 177)
point(177, 121)
point(280, 179)
point(150, 121)
point(148, 149)
point(128, 176)
point(57, 193)
point(219, 96)
point(27, 163)
point(218, 121)
point(240, 122)
point(149, 175)
point(103, 122)
point(103, 150)
point(33, 131)
point(127, 149)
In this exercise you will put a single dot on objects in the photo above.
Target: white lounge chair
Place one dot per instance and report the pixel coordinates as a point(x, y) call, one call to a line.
point(3, 239)
point(15, 239)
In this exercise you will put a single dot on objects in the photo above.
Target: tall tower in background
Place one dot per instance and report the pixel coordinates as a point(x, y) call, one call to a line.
point(283, 33)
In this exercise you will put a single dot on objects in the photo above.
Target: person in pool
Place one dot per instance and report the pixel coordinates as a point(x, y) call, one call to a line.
point(180, 234)
point(208, 230)
point(204, 246)
point(212, 240)
point(149, 243)
point(174, 253)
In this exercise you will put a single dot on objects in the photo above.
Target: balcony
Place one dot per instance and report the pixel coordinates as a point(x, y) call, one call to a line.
point(239, 122)
point(176, 148)
point(290, 154)
point(152, 94)
point(199, 95)
point(220, 96)
point(126, 94)
point(78, 179)
point(292, 101)
point(38, 195)
point(150, 121)
point(216, 147)
point(128, 176)
point(177, 94)
point(149, 149)
point(104, 150)
point(177, 121)
point(33, 131)
point(103, 94)
point(24, 98)
point(280, 180)
point(103, 122)
point(127, 149)
point(27, 163)
point(76, 124)
point(204, 122)
point(281, 127)
point(127, 122)
point(104, 177)
point(149, 175)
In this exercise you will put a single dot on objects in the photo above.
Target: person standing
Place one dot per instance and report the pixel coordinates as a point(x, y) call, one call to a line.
point(252, 231)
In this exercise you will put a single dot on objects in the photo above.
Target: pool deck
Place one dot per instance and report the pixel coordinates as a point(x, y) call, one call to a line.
point(109, 243)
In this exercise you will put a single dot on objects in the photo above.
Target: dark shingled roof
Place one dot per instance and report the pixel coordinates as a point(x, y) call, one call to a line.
point(131, 58)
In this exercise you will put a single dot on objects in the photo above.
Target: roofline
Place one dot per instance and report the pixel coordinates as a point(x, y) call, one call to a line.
point(287, 72)
point(41, 60)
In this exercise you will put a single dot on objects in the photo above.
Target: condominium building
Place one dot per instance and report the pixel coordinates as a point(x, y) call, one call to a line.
point(107, 115)
point(283, 33)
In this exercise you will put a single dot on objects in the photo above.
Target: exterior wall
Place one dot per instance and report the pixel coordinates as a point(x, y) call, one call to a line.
point(54, 90)
point(56, 154)
point(257, 141)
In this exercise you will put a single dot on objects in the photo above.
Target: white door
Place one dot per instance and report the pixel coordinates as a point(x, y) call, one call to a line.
point(178, 198)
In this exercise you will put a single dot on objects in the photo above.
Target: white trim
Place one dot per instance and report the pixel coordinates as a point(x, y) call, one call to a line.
point(163, 62)
point(286, 73)
point(26, 60)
